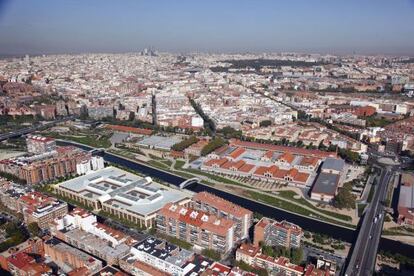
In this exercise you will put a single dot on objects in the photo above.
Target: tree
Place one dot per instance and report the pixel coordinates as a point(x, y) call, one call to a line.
point(322, 146)
point(296, 255)
point(211, 254)
point(265, 123)
point(14, 234)
point(307, 235)
point(302, 115)
point(12, 178)
point(33, 228)
point(310, 146)
point(345, 198)
point(244, 266)
point(209, 124)
point(229, 132)
point(299, 143)
point(213, 145)
point(180, 146)
point(349, 155)
point(332, 147)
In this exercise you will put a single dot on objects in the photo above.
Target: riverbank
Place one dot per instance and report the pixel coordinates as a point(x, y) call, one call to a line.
point(286, 201)
point(309, 224)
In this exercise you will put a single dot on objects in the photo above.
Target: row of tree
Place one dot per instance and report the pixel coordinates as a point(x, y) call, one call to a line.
point(180, 146)
point(213, 145)
point(345, 198)
point(14, 235)
point(208, 122)
point(294, 254)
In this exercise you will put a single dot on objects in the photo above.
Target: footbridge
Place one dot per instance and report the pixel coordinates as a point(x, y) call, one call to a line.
point(188, 182)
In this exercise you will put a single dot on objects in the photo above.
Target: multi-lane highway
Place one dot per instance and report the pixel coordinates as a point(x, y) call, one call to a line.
point(363, 256)
point(31, 129)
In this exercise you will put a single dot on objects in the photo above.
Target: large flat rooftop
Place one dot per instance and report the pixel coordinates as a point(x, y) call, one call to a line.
point(120, 189)
point(97, 244)
point(406, 198)
point(165, 251)
point(160, 142)
point(326, 183)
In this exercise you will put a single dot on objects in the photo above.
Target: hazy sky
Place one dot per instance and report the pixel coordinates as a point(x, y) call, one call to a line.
point(327, 26)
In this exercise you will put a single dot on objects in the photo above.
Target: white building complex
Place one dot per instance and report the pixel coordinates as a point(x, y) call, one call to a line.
point(122, 194)
point(87, 166)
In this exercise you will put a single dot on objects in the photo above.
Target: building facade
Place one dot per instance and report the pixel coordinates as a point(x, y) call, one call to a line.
point(81, 230)
point(275, 233)
point(212, 204)
point(122, 194)
point(39, 144)
point(196, 227)
point(71, 258)
point(41, 209)
point(45, 167)
point(275, 266)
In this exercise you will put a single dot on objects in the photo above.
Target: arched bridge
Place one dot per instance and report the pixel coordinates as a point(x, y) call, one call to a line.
point(97, 151)
point(188, 182)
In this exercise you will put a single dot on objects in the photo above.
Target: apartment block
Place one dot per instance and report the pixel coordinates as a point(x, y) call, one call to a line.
point(196, 227)
point(100, 112)
point(153, 256)
point(214, 205)
point(10, 194)
point(275, 266)
point(24, 264)
point(81, 230)
point(41, 209)
point(71, 259)
point(31, 246)
point(275, 233)
point(88, 165)
point(46, 166)
point(38, 144)
point(109, 271)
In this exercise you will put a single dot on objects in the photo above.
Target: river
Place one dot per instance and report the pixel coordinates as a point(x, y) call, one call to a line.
point(337, 232)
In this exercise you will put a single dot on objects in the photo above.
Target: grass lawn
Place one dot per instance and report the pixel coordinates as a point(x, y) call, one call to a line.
point(92, 140)
point(291, 196)
point(394, 232)
point(179, 164)
point(286, 205)
point(183, 174)
point(215, 177)
point(158, 164)
point(374, 121)
point(167, 162)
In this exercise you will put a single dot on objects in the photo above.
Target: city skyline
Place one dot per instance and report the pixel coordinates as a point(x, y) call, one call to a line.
point(49, 27)
point(247, 138)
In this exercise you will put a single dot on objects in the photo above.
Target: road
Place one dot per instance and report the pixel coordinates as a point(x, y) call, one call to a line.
point(363, 256)
point(28, 130)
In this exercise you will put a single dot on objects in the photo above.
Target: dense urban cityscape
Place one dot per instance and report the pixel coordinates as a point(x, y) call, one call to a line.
point(155, 162)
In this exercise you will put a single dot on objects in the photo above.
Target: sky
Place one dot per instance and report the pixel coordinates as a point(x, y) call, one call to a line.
point(315, 26)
